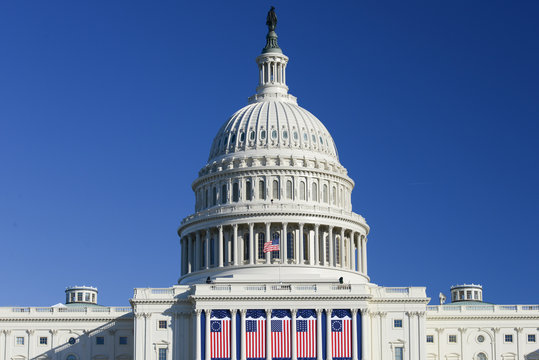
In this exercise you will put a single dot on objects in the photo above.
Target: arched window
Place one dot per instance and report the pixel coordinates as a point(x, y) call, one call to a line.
point(305, 246)
point(276, 189)
point(337, 247)
point(315, 192)
point(203, 252)
point(223, 194)
point(325, 193)
point(262, 190)
point(333, 196)
point(341, 198)
point(289, 189)
point(235, 192)
point(246, 246)
point(261, 237)
point(248, 191)
point(212, 251)
point(481, 356)
point(206, 198)
point(276, 239)
point(290, 246)
point(302, 190)
point(326, 243)
point(214, 196)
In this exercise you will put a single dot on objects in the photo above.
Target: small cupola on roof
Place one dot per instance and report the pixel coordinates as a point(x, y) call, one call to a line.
point(81, 295)
point(466, 292)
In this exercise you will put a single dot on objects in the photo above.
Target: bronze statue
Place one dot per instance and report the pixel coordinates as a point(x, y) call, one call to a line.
point(271, 19)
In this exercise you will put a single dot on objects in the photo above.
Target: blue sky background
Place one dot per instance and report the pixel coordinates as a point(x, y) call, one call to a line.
point(108, 110)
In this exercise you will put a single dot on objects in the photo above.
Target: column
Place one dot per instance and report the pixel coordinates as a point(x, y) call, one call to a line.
point(208, 334)
point(235, 244)
point(207, 250)
point(182, 247)
point(331, 247)
point(319, 334)
point(354, 334)
point(220, 246)
point(358, 254)
point(519, 342)
point(462, 331)
point(422, 336)
point(301, 250)
point(323, 248)
point(382, 334)
point(364, 255)
point(342, 252)
point(284, 242)
point(439, 331)
point(316, 245)
point(365, 332)
point(412, 331)
point(227, 248)
point(351, 257)
point(30, 342)
point(268, 238)
point(197, 252)
point(251, 243)
point(328, 335)
point(189, 253)
point(293, 342)
point(268, 334)
point(243, 354)
point(233, 352)
point(197, 334)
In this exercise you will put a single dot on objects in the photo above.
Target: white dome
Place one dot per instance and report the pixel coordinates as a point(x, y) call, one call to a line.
point(273, 125)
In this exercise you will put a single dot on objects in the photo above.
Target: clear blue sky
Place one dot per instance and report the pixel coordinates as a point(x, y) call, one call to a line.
point(108, 110)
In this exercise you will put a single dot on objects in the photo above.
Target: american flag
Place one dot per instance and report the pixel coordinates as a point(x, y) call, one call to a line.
point(255, 334)
point(306, 334)
point(280, 334)
point(272, 245)
point(220, 334)
point(341, 334)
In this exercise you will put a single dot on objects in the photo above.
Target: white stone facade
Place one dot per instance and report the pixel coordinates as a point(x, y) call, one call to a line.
point(273, 175)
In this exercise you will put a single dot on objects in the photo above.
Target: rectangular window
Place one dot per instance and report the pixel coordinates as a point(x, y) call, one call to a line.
point(162, 354)
point(43, 340)
point(531, 338)
point(397, 323)
point(123, 340)
point(468, 294)
point(99, 340)
point(19, 340)
point(162, 324)
point(79, 296)
point(453, 339)
point(508, 338)
point(430, 339)
point(399, 353)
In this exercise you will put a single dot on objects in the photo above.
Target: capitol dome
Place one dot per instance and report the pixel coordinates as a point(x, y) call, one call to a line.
point(273, 202)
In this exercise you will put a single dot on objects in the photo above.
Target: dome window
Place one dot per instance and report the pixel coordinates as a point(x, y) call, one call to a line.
point(263, 134)
point(314, 138)
point(285, 134)
point(242, 136)
point(252, 135)
point(305, 137)
point(296, 135)
point(321, 141)
point(274, 134)
point(232, 139)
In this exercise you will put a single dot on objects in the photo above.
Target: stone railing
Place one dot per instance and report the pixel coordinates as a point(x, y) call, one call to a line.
point(270, 208)
point(25, 311)
point(482, 309)
point(400, 292)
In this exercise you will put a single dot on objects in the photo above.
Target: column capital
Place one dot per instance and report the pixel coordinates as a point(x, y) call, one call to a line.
point(421, 314)
point(30, 332)
point(146, 315)
point(235, 226)
point(53, 332)
point(268, 313)
point(251, 224)
point(462, 330)
point(330, 228)
point(364, 311)
point(233, 312)
point(243, 312)
point(495, 330)
point(354, 312)
point(207, 312)
point(198, 312)
point(319, 311)
point(112, 332)
point(316, 226)
point(301, 224)
point(293, 312)
point(220, 227)
point(518, 329)
point(328, 311)
point(439, 330)
point(6, 332)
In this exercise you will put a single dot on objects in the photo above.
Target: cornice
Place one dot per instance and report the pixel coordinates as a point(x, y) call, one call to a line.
point(124, 318)
point(483, 317)
point(340, 298)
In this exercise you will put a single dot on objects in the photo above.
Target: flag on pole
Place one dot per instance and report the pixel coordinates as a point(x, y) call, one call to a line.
point(255, 334)
point(280, 334)
point(341, 334)
point(306, 334)
point(272, 245)
point(220, 334)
